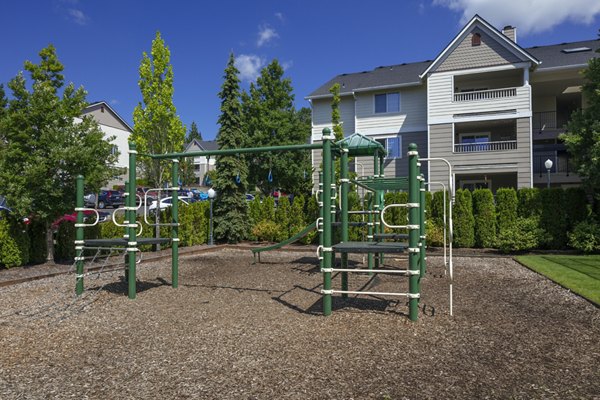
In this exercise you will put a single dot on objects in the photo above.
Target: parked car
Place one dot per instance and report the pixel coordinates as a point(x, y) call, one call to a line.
point(141, 191)
point(88, 216)
point(110, 198)
point(168, 201)
point(4, 205)
point(89, 200)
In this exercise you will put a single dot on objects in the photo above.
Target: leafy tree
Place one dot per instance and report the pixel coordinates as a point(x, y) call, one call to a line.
point(464, 223)
point(187, 175)
point(582, 136)
point(484, 212)
point(157, 128)
point(44, 146)
point(271, 120)
point(194, 133)
point(231, 209)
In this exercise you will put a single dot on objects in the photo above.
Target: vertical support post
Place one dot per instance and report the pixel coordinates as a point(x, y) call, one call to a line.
point(175, 222)
point(132, 227)
point(345, 183)
point(376, 204)
point(79, 236)
point(370, 231)
point(422, 229)
point(327, 261)
point(413, 234)
point(320, 219)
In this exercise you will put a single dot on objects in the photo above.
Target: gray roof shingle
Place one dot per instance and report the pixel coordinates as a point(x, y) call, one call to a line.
point(551, 56)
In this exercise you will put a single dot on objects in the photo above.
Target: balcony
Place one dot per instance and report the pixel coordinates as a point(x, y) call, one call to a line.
point(490, 94)
point(549, 120)
point(560, 164)
point(502, 145)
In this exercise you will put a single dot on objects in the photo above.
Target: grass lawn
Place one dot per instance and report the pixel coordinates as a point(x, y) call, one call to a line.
point(581, 274)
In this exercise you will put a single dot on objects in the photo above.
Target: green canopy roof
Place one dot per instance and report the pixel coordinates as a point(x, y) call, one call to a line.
point(361, 145)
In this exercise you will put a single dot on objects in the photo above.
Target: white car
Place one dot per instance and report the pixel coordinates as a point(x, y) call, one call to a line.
point(168, 201)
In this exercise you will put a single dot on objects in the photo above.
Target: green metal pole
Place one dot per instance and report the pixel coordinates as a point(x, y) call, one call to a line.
point(422, 222)
point(320, 204)
point(79, 236)
point(132, 226)
point(175, 227)
point(370, 219)
point(345, 183)
point(413, 234)
point(376, 203)
point(327, 261)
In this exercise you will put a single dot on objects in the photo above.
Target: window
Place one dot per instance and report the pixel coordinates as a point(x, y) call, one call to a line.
point(473, 142)
point(475, 184)
point(476, 39)
point(393, 146)
point(114, 150)
point(387, 103)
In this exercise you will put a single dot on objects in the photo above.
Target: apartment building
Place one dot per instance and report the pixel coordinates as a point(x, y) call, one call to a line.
point(493, 109)
point(203, 164)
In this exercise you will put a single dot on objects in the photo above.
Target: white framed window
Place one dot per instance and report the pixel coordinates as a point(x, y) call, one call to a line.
point(387, 103)
point(392, 145)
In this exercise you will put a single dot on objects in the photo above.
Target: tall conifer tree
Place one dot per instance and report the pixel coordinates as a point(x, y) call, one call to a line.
point(231, 209)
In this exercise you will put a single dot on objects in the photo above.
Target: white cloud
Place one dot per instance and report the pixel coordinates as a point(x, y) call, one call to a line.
point(265, 35)
point(529, 16)
point(114, 102)
point(249, 66)
point(77, 16)
point(280, 17)
point(287, 65)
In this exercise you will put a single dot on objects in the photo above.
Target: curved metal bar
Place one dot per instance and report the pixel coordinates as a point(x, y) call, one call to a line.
point(88, 209)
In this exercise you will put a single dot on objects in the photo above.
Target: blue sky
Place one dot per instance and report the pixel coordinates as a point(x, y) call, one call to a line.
point(101, 42)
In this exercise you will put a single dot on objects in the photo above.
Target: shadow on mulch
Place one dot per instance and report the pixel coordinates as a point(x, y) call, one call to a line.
point(121, 287)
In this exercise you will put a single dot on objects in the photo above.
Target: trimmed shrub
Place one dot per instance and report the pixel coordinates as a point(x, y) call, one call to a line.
point(296, 218)
point(464, 223)
point(267, 209)
point(282, 216)
point(428, 202)
point(435, 234)
point(38, 250)
point(485, 218)
point(312, 213)
point(254, 214)
point(506, 208)
point(437, 207)
point(356, 233)
point(266, 230)
point(585, 237)
point(575, 207)
point(553, 218)
point(523, 235)
point(14, 251)
point(528, 202)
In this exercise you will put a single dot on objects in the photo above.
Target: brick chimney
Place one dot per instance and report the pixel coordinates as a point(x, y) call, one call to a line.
point(510, 32)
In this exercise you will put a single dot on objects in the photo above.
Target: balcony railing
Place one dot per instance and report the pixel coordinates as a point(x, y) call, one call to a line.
point(549, 120)
point(560, 164)
point(489, 146)
point(490, 94)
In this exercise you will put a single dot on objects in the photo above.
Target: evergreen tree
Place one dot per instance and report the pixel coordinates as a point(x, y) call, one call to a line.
point(271, 120)
point(335, 112)
point(157, 128)
point(582, 136)
point(231, 209)
point(194, 133)
point(42, 149)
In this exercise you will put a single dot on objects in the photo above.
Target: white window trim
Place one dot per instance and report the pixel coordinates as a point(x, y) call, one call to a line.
point(386, 103)
point(386, 137)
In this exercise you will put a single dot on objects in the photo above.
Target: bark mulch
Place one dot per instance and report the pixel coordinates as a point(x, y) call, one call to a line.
point(237, 330)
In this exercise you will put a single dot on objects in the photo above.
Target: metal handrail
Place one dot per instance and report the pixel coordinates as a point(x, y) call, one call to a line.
point(489, 94)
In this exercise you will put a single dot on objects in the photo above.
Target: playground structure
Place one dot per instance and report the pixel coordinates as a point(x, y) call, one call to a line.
point(375, 247)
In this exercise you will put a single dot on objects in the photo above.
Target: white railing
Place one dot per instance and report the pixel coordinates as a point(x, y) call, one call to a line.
point(486, 94)
point(489, 146)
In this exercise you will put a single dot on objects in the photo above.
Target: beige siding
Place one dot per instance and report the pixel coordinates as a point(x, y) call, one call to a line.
point(412, 116)
point(489, 53)
point(481, 162)
point(321, 115)
point(104, 116)
point(442, 106)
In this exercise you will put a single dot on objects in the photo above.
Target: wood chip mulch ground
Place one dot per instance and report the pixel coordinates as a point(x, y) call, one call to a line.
point(234, 330)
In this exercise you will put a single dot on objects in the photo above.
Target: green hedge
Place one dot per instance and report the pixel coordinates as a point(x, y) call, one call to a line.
point(528, 202)
point(484, 212)
point(506, 208)
point(14, 242)
point(464, 222)
point(553, 218)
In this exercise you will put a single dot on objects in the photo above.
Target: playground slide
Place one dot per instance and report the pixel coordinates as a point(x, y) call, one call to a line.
point(279, 245)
